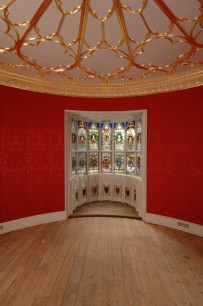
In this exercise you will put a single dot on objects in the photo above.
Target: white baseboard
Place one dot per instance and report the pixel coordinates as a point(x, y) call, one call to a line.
point(178, 224)
point(31, 221)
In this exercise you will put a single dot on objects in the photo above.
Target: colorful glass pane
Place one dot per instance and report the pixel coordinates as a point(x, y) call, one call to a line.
point(130, 163)
point(139, 134)
point(82, 163)
point(119, 162)
point(119, 137)
point(74, 163)
point(93, 162)
point(73, 135)
point(106, 138)
point(82, 137)
point(106, 162)
point(93, 138)
point(130, 137)
point(120, 147)
point(138, 164)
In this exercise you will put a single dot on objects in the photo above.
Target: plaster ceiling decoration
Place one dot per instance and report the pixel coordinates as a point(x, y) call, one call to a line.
point(102, 48)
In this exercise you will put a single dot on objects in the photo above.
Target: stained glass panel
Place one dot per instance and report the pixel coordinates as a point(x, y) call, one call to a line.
point(139, 134)
point(106, 162)
point(119, 162)
point(82, 137)
point(138, 164)
point(82, 163)
point(74, 163)
point(120, 147)
point(93, 138)
point(130, 163)
point(130, 137)
point(93, 162)
point(106, 138)
point(73, 135)
point(119, 137)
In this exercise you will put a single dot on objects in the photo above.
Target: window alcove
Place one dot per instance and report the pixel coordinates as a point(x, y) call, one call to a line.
point(105, 155)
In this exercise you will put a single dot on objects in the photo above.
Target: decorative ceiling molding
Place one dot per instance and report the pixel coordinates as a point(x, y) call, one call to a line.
point(109, 48)
point(176, 82)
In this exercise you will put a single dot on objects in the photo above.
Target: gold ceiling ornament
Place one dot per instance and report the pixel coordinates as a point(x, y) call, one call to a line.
point(107, 48)
point(140, 88)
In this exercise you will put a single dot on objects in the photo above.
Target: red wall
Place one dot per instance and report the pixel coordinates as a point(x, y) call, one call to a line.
point(32, 151)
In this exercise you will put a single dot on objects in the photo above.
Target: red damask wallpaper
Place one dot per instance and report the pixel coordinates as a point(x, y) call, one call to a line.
point(32, 151)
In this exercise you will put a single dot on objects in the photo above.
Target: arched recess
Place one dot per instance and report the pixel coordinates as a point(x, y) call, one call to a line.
point(103, 170)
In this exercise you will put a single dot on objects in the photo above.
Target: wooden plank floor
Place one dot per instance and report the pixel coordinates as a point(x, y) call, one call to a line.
point(100, 261)
point(107, 209)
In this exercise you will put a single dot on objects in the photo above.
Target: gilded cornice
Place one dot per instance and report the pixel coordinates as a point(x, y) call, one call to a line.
point(175, 82)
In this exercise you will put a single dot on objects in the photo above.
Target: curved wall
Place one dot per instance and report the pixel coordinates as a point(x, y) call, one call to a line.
point(32, 151)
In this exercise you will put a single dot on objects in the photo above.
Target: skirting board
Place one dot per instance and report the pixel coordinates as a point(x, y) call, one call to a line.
point(182, 225)
point(185, 226)
point(31, 221)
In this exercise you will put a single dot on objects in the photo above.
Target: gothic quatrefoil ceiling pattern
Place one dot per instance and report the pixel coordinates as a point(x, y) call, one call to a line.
point(107, 47)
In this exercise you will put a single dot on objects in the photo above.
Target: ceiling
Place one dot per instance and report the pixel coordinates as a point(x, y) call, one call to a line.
point(101, 48)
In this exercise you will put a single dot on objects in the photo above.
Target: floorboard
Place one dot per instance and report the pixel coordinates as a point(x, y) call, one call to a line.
point(106, 209)
point(100, 261)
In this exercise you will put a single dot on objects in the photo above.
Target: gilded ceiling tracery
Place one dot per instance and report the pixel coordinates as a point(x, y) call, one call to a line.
point(101, 42)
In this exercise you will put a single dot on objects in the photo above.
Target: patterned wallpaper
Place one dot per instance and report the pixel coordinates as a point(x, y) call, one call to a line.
point(32, 151)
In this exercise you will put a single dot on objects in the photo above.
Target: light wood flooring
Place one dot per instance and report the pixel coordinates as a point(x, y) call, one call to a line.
point(105, 209)
point(100, 261)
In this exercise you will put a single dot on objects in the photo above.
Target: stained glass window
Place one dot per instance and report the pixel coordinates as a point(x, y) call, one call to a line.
point(93, 137)
point(138, 164)
point(82, 163)
point(74, 163)
point(120, 150)
point(73, 135)
point(139, 134)
point(119, 162)
point(130, 163)
point(106, 162)
point(119, 137)
point(82, 137)
point(130, 137)
point(106, 138)
point(93, 162)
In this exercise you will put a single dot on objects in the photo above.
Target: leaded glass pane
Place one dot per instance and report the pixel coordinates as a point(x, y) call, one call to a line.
point(82, 163)
point(106, 162)
point(93, 162)
point(130, 163)
point(120, 147)
point(138, 164)
point(93, 138)
point(139, 134)
point(130, 137)
point(74, 135)
point(119, 138)
point(74, 163)
point(119, 162)
point(82, 137)
point(106, 138)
